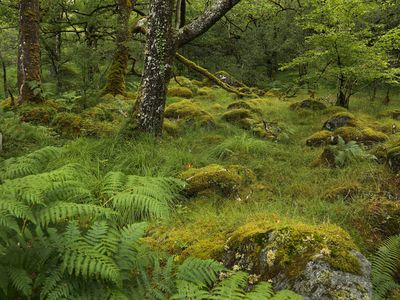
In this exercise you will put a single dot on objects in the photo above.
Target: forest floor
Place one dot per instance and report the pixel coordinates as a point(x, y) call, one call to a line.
point(281, 180)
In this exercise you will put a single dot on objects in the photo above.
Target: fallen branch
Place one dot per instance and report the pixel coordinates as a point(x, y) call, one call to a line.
point(192, 65)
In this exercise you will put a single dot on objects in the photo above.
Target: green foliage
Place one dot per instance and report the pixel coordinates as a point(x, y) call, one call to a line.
point(347, 153)
point(385, 268)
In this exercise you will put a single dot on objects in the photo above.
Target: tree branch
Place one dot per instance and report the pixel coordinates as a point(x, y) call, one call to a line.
point(204, 22)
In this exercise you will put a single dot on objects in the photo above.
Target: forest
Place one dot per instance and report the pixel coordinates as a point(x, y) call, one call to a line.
point(200, 149)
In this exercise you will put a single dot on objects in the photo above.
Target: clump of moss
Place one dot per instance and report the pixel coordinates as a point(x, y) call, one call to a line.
point(320, 138)
point(341, 119)
point(171, 128)
point(268, 249)
point(244, 118)
point(216, 178)
point(68, 124)
point(187, 113)
point(393, 159)
point(311, 104)
point(204, 91)
point(181, 92)
point(343, 191)
point(39, 114)
point(394, 114)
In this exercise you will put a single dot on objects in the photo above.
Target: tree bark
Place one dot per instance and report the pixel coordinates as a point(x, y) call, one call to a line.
point(342, 99)
point(116, 82)
point(4, 67)
point(161, 46)
point(29, 67)
point(148, 113)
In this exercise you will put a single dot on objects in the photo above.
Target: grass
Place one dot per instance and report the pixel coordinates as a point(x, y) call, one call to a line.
point(287, 187)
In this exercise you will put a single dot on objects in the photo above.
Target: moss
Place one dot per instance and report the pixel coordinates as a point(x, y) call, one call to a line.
point(365, 135)
point(341, 119)
point(288, 248)
point(38, 114)
point(229, 79)
point(188, 113)
point(394, 114)
point(182, 92)
point(170, 127)
point(393, 158)
point(204, 91)
point(260, 132)
point(320, 138)
point(215, 178)
point(383, 217)
point(308, 104)
point(68, 124)
point(244, 118)
point(344, 191)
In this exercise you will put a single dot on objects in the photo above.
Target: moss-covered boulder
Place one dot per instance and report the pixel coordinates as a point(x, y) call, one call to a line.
point(311, 104)
point(217, 179)
point(187, 113)
point(180, 91)
point(319, 262)
point(367, 136)
point(341, 119)
point(242, 117)
point(320, 138)
point(39, 114)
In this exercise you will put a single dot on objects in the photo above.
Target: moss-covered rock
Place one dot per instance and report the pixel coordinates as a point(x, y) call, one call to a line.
point(320, 138)
point(241, 117)
point(68, 124)
point(170, 127)
point(295, 256)
point(181, 91)
point(367, 136)
point(311, 104)
point(216, 178)
point(341, 119)
point(187, 113)
point(39, 114)
point(394, 114)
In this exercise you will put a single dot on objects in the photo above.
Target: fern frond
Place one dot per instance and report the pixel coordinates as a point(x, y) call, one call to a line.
point(21, 280)
point(199, 271)
point(231, 288)
point(262, 290)
point(188, 290)
point(385, 265)
point(62, 211)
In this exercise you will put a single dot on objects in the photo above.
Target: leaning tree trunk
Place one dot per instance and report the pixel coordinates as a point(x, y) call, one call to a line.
point(29, 73)
point(148, 113)
point(4, 67)
point(116, 82)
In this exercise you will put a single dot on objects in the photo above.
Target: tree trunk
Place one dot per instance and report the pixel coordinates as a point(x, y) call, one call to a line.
point(342, 99)
point(386, 100)
point(116, 82)
point(4, 67)
point(29, 73)
point(148, 113)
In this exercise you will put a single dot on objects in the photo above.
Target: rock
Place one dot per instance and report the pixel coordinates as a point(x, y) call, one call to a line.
point(244, 118)
point(311, 104)
point(394, 114)
point(367, 136)
point(320, 138)
point(319, 281)
point(182, 92)
point(341, 119)
point(217, 179)
point(187, 113)
point(383, 217)
point(393, 159)
point(318, 262)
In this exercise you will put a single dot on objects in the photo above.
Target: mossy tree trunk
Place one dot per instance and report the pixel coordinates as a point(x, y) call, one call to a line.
point(343, 97)
point(116, 82)
point(29, 71)
point(161, 46)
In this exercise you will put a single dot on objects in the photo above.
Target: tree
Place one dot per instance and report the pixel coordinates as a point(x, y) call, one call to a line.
point(161, 45)
point(116, 84)
point(29, 71)
point(340, 47)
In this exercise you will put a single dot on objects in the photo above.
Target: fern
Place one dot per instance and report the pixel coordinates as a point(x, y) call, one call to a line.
point(385, 266)
point(32, 163)
point(346, 153)
point(202, 272)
